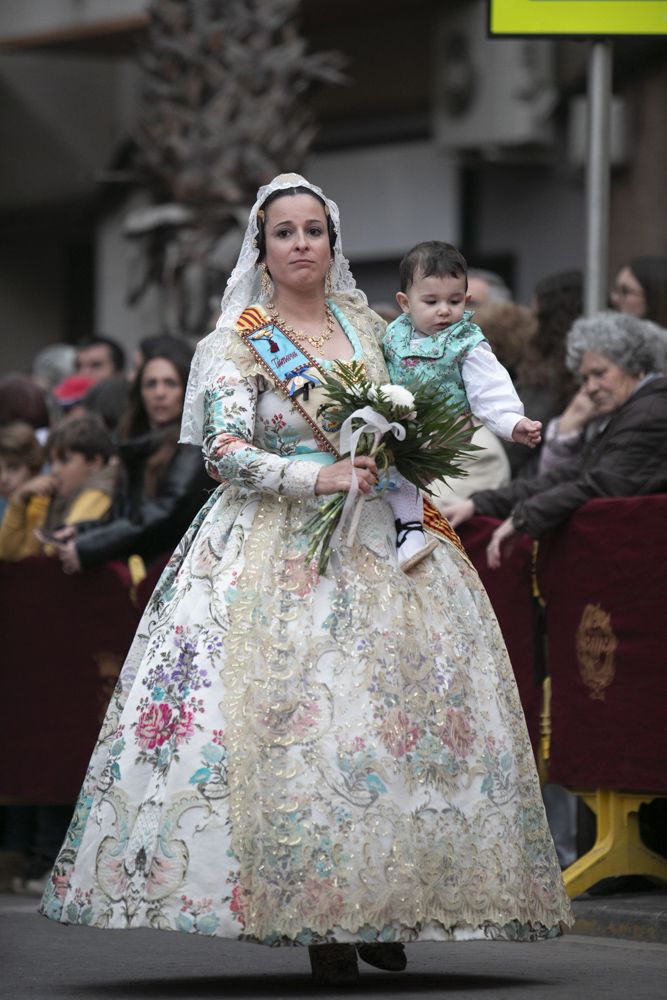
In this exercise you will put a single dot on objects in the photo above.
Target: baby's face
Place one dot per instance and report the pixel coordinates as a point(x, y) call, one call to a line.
point(434, 303)
point(13, 474)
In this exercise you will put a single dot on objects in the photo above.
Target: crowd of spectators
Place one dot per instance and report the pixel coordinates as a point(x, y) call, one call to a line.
point(91, 469)
point(90, 465)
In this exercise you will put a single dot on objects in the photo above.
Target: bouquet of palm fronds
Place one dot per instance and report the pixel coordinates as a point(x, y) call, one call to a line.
point(414, 428)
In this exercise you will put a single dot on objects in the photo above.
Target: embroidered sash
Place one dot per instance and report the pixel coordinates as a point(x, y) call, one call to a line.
point(291, 369)
point(296, 374)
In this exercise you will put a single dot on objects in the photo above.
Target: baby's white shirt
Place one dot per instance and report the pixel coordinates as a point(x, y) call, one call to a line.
point(489, 388)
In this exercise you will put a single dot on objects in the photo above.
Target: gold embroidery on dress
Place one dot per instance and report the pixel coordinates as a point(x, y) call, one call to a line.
point(596, 645)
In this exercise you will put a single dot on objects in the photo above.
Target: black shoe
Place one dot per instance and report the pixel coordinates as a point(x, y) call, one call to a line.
point(334, 964)
point(411, 551)
point(391, 956)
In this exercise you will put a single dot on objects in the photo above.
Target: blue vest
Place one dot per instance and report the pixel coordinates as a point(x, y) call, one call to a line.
point(431, 359)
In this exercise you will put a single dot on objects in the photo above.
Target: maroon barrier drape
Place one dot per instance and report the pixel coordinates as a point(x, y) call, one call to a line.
point(510, 593)
point(64, 639)
point(604, 578)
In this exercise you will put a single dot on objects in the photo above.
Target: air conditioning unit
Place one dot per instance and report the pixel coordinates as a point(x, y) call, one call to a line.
point(497, 93)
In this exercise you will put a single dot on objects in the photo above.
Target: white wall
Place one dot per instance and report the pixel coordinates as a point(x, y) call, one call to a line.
point(61, 119)
point(535, 213)
point(390, 197)
point(19, 18)
point(113, 316)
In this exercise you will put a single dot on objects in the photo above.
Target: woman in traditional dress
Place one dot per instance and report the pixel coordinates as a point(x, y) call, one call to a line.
point(339, 761)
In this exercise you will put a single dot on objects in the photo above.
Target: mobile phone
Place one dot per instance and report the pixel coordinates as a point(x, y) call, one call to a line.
point(46, 536)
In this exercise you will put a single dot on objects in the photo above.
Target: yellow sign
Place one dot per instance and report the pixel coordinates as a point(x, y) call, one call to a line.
point(578, 17)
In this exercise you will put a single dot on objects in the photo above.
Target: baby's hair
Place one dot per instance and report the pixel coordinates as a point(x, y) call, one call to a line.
point(18, 442)
point(274, 196)
point(86, 435)
point(432, 258)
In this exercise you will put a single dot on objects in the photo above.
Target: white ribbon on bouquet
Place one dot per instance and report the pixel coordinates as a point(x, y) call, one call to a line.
point(377, 425)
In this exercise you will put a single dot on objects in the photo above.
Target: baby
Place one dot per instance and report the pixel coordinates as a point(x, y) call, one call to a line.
point(435, 342)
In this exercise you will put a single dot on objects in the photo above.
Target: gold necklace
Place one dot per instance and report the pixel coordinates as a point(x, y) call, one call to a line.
point(316, 342)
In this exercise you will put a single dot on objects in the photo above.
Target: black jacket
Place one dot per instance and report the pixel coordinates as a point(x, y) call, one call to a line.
point(149, 526)
point(627, 458)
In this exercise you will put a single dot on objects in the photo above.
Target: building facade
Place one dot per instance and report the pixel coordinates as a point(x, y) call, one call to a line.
point(440, 132)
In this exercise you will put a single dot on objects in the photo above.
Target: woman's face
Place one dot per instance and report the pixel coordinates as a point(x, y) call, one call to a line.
point(162, 392)
point(607, 385)
point(627, 295)
point(13, 475)
point(297, 242)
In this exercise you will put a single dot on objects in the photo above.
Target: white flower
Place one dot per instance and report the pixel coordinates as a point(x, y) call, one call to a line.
point(398, 396)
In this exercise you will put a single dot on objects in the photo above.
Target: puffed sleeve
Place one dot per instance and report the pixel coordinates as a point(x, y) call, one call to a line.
point(229, 420)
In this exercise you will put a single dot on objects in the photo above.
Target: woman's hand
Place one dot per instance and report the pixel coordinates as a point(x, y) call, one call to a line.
point(528, 432)
point(337, 478)
point(457, 511)
point(493, 549)
point(576, 414)
point(62, 543)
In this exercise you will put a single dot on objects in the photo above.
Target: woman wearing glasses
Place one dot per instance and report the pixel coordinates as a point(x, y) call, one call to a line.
point(640, 289)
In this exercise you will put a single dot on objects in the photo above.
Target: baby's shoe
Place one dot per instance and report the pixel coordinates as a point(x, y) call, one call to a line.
point(412, 544)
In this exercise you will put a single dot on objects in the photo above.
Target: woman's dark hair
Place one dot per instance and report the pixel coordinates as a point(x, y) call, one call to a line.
point(274, 196)
point(22, 399)
point(651, 273)
point(108, 399)
point(559, 301)
point(134, 420)
point(86, 435)
point(135, 423)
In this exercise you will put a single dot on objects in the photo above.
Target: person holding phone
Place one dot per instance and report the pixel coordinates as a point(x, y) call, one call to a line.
point(78, 487)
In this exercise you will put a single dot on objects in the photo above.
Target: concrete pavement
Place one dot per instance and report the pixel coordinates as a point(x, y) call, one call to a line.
point(42, 960)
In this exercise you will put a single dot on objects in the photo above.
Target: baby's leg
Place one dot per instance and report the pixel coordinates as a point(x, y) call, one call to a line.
point(407, 505)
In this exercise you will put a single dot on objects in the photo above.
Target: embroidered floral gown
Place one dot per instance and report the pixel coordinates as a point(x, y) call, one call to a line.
point(296, 759)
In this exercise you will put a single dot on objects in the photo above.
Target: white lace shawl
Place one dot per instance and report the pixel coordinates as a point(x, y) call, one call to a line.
point(243, 289)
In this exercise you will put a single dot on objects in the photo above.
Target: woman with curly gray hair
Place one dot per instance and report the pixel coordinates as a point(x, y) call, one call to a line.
point(636, 346)
point(619, 360)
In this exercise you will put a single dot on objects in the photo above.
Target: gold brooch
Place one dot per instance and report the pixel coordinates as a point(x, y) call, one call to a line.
point(596, 646)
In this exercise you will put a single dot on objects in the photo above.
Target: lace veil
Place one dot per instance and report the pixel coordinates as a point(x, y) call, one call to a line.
point(243, 289)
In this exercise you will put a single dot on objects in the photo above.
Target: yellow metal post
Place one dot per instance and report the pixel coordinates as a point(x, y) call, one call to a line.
point(618, 848)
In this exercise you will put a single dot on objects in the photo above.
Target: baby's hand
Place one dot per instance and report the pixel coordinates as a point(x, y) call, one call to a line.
point(528, 432)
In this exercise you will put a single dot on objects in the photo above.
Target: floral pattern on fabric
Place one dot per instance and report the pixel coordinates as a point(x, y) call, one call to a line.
point(291, 758)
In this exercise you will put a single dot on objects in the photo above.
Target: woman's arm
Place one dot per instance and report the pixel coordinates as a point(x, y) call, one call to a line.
point(229, 420)
point(158, 524)
point(229, 423)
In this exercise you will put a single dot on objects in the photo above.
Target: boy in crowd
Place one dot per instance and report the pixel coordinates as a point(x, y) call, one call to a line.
point(78, 487)
point(435, 341)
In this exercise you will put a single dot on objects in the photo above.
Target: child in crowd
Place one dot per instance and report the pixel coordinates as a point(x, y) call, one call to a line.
point(21, 461)
point(78, 487)
point(434, 341)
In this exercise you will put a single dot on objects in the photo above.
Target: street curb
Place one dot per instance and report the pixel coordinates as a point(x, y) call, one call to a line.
point(636, 918)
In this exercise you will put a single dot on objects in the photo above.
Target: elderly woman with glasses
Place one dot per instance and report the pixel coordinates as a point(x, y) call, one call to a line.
point(619, 360)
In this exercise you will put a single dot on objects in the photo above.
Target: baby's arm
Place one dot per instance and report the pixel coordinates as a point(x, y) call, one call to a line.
point(494, 400)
